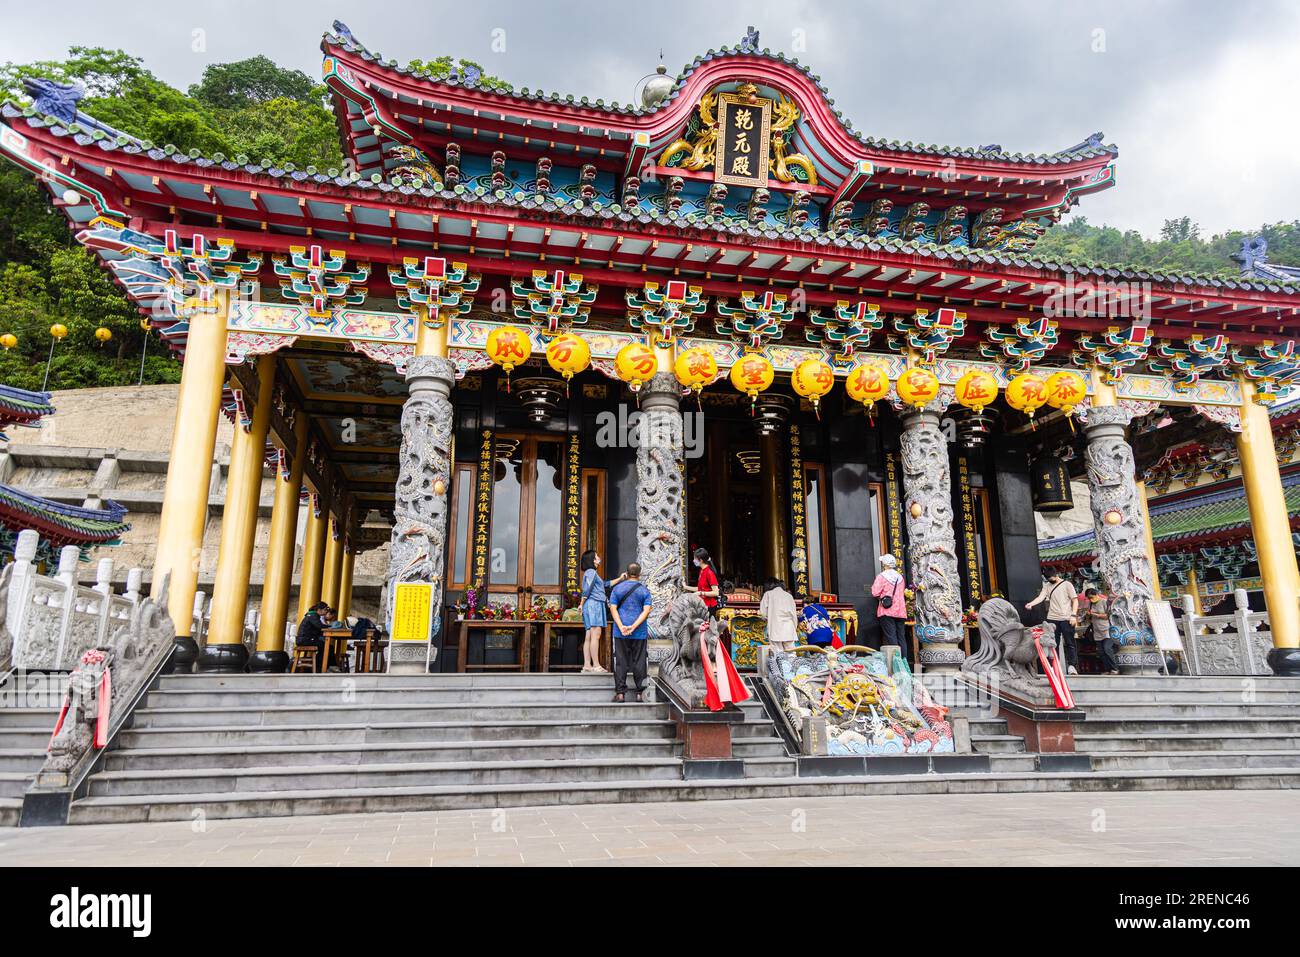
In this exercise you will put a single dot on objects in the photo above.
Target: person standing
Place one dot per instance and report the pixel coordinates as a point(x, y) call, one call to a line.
point(1062, 613)
point(630, 604)
point(1099, 618)
point(778, 610)
point(891, 603)
point(595, 597)
point(710, 589)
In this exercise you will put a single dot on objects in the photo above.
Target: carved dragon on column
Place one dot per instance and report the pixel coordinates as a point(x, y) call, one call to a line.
point(1121, 538)
point(661, 532)
point(420, 498)
point(932, 553)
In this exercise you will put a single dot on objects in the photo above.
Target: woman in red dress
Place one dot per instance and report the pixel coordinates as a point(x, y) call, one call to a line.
point(707, 586)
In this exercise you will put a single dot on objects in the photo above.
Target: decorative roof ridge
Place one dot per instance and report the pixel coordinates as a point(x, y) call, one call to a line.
point(110, 512)
point(1091, 147)
point(577, 208)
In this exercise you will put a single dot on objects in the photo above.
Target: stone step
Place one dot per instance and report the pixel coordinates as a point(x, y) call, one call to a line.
point(758, 748)
point(26, 737)
point(1184, 760)
point(1205, 709)
point(150, 717)
point(329, 778)
point(1096, 743)
point(26, 760)
point(202, 756)
point(989, 743)
point(460, 682)
point(380, 733)
point(11, 810)
point(245, 803)
point(1088, 683)
point(408, 697)
point(14, 783)
point(1085, 699)
point(770, 766)
point(1010, 762)
point(1228, 726)
point(27, 718)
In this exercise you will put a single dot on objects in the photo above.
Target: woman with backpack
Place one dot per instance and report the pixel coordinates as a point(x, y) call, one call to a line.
point(595, 598)
point(891, 604)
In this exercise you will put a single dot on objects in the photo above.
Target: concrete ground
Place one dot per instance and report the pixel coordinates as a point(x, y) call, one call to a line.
point(1129, 828)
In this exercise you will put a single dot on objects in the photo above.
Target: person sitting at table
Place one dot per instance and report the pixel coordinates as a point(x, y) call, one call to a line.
point(311, 630)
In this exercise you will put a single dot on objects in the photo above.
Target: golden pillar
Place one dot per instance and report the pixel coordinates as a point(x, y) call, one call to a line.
point(329, 588)
point(1271, 526)
point(1150, 541)
point(776, 546)
point(313, 558)
point(224, 650)
point(270, 654)
point(345, 583)
point(1194, 588)
point(189, 472)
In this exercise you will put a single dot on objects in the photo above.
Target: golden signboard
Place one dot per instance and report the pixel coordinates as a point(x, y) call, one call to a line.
point(412, 611)
point(744, 140)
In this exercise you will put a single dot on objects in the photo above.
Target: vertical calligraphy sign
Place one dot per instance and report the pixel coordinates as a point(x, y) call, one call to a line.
point(798, 509)
point(973, 584)
point(483, 515)
point(893, 506)
point(744, 140)
point(572, 513)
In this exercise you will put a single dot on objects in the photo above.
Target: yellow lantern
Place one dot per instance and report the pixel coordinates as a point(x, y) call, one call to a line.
point(8, 340)
point(751, 375)
point(917, 387)
point(867, 382)
point(509, 347)
point(976, 389)
point(58, 330)
point(635, 364)
point(812, 379)
point(1065, 390)
point(1027, 392)
point(103, 334)
point(568, 355)
point(696, 368)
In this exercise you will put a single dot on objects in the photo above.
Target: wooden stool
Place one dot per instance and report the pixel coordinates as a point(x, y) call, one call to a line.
point(377, 655)
point(305, 656)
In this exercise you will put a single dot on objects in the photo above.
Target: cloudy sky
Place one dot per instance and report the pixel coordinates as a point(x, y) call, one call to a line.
point(1199, 95)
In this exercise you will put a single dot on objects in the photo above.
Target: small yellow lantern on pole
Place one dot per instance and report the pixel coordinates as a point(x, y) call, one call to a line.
point(976, 389)
point(1027, 393)
point(103, 334)
point(568, 355)
point(752, 374)
point(868, 383)
point(813, 379)
point(57, 332)
point(635, 364)
point(509, 347)
point(917, 387)
point(696, 368)
point(8, 340)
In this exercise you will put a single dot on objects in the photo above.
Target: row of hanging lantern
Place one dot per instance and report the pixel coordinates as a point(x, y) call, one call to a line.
point(813, 378)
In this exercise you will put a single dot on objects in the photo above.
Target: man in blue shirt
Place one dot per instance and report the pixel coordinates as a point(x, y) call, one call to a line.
point(630, 603)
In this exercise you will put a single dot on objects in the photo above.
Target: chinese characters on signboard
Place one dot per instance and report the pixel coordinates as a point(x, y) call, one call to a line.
point(412, 611)
point(798, 509)
point(744, 140)
point(893, 506)
point(973, 583)
point(572, 512)
point(482, 511)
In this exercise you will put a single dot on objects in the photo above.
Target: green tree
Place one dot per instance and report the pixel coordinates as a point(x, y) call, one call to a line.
point(233, 86)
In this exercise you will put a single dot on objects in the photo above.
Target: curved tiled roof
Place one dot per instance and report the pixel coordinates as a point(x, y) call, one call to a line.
point(72, 522)
point(1091, 147)
point(613, 213)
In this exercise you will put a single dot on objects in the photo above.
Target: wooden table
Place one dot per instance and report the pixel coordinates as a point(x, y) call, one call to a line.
point(549, 628)
point(335, 638)
point(523, 643)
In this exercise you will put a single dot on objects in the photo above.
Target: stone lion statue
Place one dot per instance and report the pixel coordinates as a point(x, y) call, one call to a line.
point(1007, 644)
point(681, 669)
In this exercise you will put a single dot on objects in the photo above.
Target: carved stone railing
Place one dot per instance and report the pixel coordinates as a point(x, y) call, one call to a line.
point(56, 625)
point(1234, 644)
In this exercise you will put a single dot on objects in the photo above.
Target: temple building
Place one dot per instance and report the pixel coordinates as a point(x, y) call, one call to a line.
point(521, 325)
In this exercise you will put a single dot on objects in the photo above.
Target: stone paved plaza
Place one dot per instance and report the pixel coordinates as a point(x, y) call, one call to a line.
point(1130, 828)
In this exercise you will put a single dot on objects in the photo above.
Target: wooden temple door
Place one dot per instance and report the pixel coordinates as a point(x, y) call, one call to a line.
point(526, 555)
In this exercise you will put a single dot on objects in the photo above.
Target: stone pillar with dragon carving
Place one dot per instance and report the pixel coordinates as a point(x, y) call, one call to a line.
point(660, 497)
point(1121, 538)
point(932, 549)
point(417, 551)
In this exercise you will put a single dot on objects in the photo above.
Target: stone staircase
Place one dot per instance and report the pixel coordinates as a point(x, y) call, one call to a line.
point(24, 734)
point(1246, 727)
point(273, 745)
